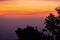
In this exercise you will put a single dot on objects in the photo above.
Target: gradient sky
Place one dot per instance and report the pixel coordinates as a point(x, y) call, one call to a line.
point(28, 7)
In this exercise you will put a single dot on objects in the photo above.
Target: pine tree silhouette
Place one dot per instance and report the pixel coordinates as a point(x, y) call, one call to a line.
point(53, 24)
point(58, 24)
point(50, 23)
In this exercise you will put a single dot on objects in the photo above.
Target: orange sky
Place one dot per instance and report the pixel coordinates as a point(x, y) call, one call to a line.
point(28, 7)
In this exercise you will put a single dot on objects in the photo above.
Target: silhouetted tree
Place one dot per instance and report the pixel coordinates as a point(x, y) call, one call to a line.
point(30, 33)
point(50, 24)
point(58, 23)
point(58, 10)
point(53, 24)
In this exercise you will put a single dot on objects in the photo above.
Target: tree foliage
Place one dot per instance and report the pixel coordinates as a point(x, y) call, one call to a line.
point(30, 33)
point(53, 24)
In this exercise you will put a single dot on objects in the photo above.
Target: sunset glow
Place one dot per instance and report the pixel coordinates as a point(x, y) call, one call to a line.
point(28, 7)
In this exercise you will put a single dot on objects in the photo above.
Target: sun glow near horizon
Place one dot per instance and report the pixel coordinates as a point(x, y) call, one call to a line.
point(26, 6)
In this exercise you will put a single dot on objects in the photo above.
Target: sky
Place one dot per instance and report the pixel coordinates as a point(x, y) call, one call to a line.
point(28, 7)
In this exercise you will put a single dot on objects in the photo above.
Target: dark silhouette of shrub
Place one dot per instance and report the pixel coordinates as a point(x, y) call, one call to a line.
point(30, 33)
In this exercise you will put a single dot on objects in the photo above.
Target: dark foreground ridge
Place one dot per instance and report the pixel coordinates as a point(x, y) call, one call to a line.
point(30, 33)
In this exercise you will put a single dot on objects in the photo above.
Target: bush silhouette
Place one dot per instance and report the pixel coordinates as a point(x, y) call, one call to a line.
point(30, 33)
